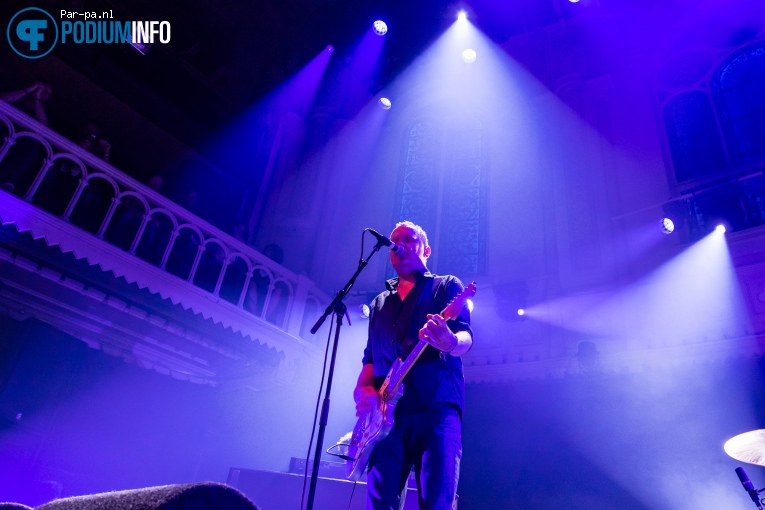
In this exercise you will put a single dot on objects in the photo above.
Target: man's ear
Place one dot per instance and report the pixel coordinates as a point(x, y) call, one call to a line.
point(427, 251)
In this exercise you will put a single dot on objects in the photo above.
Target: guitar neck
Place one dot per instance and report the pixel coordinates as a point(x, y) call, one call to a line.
point(405, 367)
point(394, 378)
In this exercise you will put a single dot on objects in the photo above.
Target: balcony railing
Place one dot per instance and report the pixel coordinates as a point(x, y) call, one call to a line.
point(53, 174)
point(736, 202)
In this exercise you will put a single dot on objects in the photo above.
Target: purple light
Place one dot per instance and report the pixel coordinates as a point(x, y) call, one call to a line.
point(380, 27)
point(330, 48)
point(385, 103)
point(720, 229)
point(462, 16)
point(521, 312)
point(667, 226)
point(470, 305)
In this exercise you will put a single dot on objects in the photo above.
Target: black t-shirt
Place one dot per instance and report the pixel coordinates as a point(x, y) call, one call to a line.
point(437, 377)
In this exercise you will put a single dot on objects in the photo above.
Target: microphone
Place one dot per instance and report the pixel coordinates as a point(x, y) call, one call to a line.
point(748, 486)
point(385, 241)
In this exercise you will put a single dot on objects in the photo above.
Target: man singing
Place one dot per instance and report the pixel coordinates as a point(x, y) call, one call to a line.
point(426, 432)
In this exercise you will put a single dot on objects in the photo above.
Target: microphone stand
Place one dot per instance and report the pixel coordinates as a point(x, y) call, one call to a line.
point(338, 307)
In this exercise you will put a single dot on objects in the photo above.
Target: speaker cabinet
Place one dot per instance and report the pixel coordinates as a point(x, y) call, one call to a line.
point(193, 496)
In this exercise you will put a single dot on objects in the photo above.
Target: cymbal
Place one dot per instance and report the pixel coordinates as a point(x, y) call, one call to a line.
point(747, 447)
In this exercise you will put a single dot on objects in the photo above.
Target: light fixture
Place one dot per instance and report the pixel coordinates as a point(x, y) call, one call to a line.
point(720, 229)
point(462, 16)
point(521, 312)
point(469, 56)
point(330, 48)
point(385, 103)
point(380, 27)
point(667, 225)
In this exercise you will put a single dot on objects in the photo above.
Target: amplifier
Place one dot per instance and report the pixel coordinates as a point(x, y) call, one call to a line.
point(271, 490)
point(336, 470)
point(327, 469)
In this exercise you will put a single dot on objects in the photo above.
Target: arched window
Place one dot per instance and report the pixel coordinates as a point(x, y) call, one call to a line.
point(443, 187)
point(463, 215)
point(419, 174)
point(738, 90)
point(693, 136)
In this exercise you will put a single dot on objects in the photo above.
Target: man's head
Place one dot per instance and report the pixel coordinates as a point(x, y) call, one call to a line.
point(90, 133)
point(414, 240)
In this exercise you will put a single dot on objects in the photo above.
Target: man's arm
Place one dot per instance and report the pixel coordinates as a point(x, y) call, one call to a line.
point(365, 394)
point(40, 112)
point(437, 333)
point(34, 90)
point(15, 95)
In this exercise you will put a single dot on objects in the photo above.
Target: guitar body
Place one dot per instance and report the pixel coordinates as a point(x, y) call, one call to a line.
point(377, 424)
point(372, 428)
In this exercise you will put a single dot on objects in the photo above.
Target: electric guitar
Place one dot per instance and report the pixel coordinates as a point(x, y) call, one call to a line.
point(374, 426)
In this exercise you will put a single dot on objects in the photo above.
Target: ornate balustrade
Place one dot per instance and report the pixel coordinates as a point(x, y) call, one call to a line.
point(153, 242)
point(737, 202)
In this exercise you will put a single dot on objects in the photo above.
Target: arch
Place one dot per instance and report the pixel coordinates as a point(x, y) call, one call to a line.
point(311, 311)
point(154, 235)
point(93, 203)
point(183, 251)
point(219, 242)
point(278, 302)
point(57, 188)
point(36, 137)
point(738, 91)
point(245, 258)
point(126, 222)
point(137, 196)
point(462, 239)
point(210, 267)
point(167, 213)
point(8, 129)
point(23, 160)
point(104, 177)
point(418, 175)
point(693, 136)
point(258, 287)
point(234, 278)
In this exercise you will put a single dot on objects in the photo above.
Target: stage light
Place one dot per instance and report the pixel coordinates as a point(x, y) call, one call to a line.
point(521, 312)
point(667, 225)
point(720, 229)
point(380, 27)
point(470, 305)
point(364, 311)
point(573, 1)
point(385, 103)
point(330, 48)
point(461, 16)
point(469, 56)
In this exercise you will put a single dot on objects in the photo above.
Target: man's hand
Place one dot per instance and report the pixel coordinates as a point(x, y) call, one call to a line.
point(366, 399)
point(105, 148)
point(438, 334)
point(34, 89)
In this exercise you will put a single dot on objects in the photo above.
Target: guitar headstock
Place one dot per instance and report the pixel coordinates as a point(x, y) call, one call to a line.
point(454, 307)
